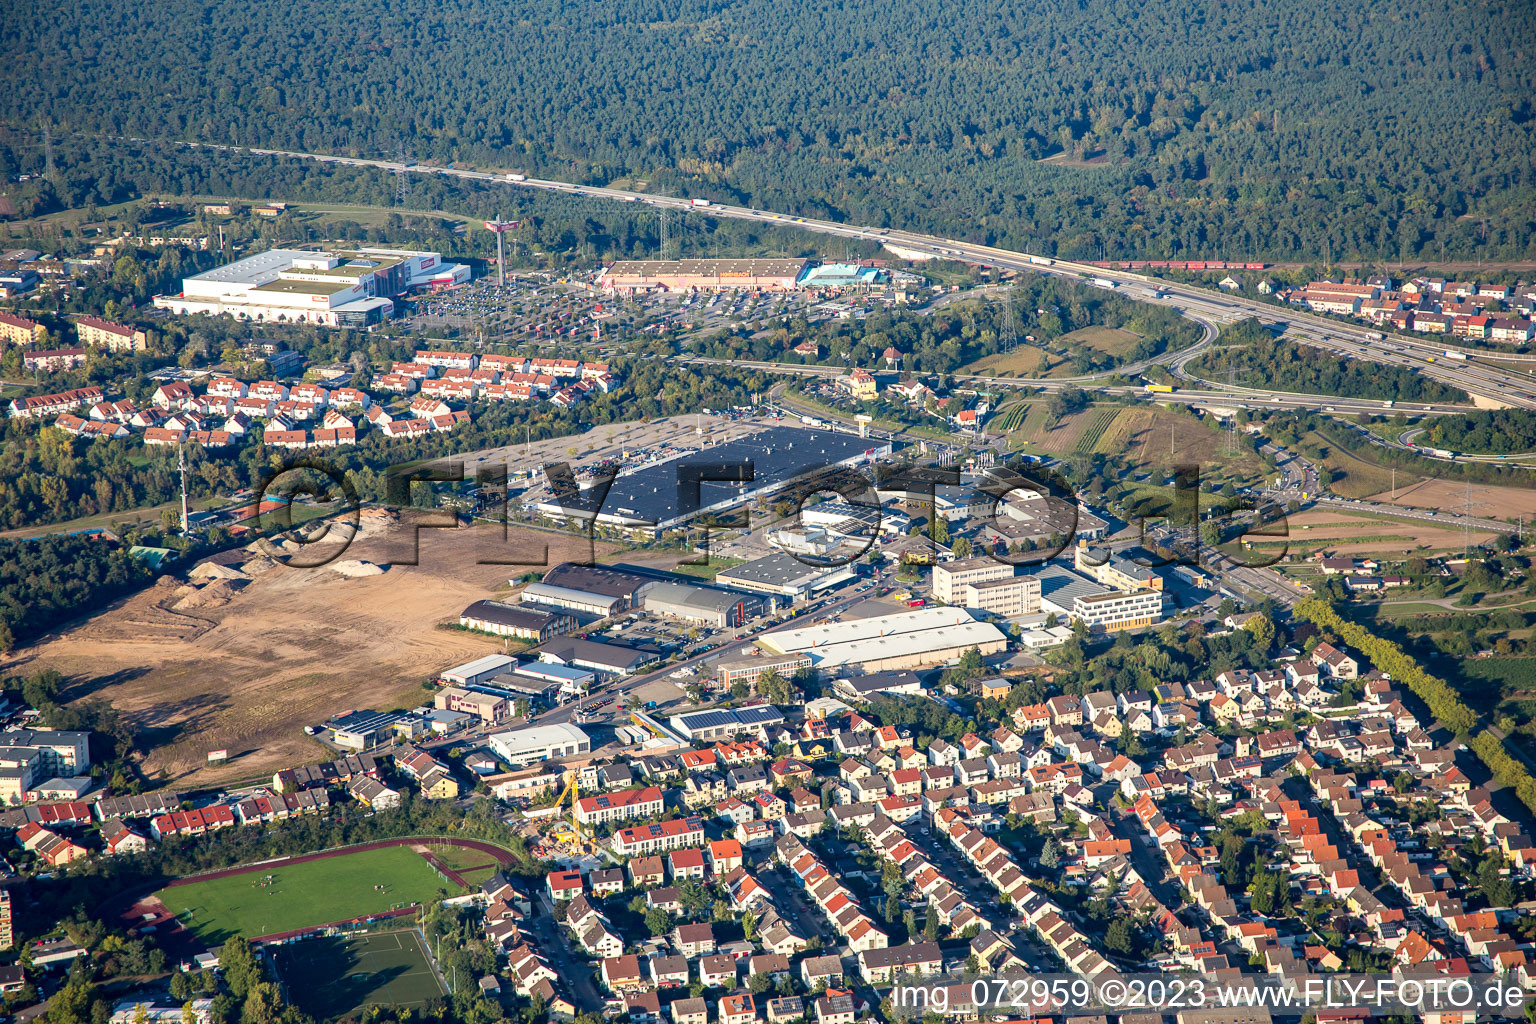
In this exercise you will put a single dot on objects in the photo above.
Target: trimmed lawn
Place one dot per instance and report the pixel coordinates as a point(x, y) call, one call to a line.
point(340, 976)
point(288, 897)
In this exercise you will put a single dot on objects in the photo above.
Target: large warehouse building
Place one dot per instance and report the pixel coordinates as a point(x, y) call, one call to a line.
point(344, 288)
point(630, 276)
point(647, 498)
point(540, 743)
point(723, 723)
point(527, 622)
point(783, 575)
point(913, 639)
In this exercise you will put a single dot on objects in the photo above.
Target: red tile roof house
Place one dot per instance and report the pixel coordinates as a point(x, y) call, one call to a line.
point(622, 972)
point(738, 1009)
point(564, 885)
point(688, 863)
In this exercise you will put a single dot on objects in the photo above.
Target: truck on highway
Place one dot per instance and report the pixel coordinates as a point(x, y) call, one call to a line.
point(699, 202)
point(1451, 354)
point(1159, 389)
point(517, 177)
point(1044, 261)
point(1375, 335)
point(1389, 403)
point(1104, 282)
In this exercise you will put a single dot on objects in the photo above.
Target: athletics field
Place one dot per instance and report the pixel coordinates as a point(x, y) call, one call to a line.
point(284, 897)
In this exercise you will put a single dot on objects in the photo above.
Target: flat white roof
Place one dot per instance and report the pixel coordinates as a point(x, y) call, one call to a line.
point(902, 634)
point(263, 266)
point(535, 737)
point(480, 666)
point(880, 627)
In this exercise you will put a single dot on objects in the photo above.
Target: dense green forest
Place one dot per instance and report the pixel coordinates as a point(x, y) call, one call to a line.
point(1257, 358)
point(1491, 432)
point(45, 581)
point(1121, 127)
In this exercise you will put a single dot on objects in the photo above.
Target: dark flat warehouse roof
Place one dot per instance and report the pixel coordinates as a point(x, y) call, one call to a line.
point(778, 455)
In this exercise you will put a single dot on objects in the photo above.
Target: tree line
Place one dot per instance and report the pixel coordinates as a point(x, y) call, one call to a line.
point(1110, 127)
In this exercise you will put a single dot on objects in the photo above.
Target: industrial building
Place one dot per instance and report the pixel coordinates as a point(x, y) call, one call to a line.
point(343, 288)
point(606, 658)
point(710, 606)
point(864, 687)
point(911, 639)
point(1009, 597)
point(783, 575)
point(1114, 570)
point(1117, 610)
point(590, 589)
point(540, 743)
point(769, 275)
point(527, 622)
point(647, 499)
point(1103, 610)
point(481, 670)
point(748, 670)
point(551, 679)
point(950, 578)
point(487, 707)
point(1026, 515)
point(1060, 587)
point(723, 723)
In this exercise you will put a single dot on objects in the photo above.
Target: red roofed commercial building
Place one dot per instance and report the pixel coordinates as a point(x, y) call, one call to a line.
point(668, 835)
point(633, 803)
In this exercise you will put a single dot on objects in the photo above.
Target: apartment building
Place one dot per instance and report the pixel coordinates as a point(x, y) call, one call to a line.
point(113, 337)
point(633, 803)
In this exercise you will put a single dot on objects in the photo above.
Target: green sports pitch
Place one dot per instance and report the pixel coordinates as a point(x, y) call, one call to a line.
point(338, 976)
point(272, 898)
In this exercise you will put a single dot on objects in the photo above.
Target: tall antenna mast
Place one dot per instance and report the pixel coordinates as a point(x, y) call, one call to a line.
point(181, 465)
point(1007, 335)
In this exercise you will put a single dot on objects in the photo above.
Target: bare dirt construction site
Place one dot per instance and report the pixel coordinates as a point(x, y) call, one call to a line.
point(1482, 500)
point(241, 656)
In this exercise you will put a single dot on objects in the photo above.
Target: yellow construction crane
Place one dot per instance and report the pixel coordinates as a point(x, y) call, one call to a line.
point(574, 835)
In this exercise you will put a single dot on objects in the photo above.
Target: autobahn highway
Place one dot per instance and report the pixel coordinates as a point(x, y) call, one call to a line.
point(1494, 384)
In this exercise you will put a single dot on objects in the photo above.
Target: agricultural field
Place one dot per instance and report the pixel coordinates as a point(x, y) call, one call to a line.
point(339, 976)
point(1482, 500)
point(274, 898)
point(245, 665)
point(1356, 534)
point(1114, 341)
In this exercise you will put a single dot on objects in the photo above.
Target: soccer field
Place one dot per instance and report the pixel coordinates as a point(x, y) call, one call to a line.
point(287, 897)
point(337, 977)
